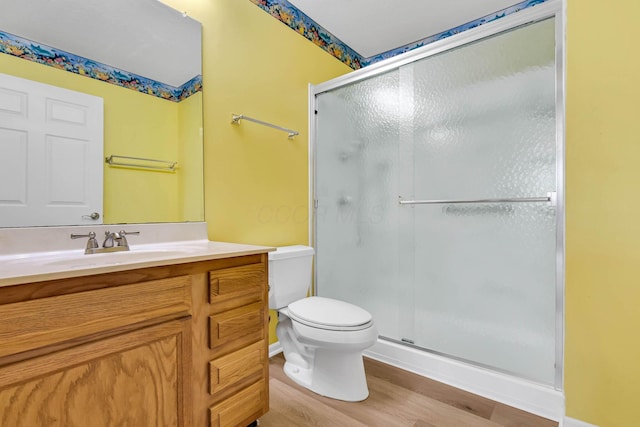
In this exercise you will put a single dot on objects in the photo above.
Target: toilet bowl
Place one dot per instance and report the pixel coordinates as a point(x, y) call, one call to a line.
point(322, 338)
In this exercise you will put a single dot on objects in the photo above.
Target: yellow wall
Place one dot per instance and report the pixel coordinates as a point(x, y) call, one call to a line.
point(135, 124)
point(147, 127)
point(190, 176)
point(256, 180)
point(602, 363)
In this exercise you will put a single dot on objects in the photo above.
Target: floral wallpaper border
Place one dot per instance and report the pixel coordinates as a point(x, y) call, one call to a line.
point(288, 14)
point(56, 58)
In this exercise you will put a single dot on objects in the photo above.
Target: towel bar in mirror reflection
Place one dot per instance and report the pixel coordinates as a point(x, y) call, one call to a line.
point(141, 163)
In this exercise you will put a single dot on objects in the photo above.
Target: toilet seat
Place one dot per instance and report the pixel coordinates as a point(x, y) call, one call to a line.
point(329, 314)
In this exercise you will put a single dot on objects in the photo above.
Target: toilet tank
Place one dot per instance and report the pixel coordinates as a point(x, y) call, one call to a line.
point(290, 269)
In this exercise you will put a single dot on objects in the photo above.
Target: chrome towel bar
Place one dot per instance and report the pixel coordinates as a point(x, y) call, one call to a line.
point(550, 197)
point(235, 120)
point(164, 165)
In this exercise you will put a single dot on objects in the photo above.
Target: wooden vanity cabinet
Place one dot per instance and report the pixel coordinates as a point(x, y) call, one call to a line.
point(231, 316)
point(178, 345)
point(135, 378)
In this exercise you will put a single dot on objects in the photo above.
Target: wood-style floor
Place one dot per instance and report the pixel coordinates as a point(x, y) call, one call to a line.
point(396, 399)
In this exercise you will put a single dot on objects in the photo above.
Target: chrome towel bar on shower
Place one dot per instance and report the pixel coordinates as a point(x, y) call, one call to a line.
point(550, 197)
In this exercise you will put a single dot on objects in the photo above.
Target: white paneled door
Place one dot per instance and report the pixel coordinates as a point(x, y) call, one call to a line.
point(51, 146)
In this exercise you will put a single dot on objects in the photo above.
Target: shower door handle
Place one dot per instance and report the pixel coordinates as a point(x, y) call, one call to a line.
point(550, 197)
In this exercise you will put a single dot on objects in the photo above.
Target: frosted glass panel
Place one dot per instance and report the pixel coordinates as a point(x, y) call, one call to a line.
point(356, 183)
point(486, 276)
point(486, 285)
point(484, 118)
point(474, 281)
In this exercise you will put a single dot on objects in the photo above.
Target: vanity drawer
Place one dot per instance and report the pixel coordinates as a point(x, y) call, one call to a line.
point(54, 320)
point(242, 408)
point(236, 286)
point(237, 327)
point(236, 367)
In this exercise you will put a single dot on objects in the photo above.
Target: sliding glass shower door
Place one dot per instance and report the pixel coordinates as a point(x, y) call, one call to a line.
point(436, 185)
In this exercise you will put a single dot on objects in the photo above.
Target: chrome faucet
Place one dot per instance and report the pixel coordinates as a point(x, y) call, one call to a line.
point(117, 239)
point(113, 242)
point(112, 239)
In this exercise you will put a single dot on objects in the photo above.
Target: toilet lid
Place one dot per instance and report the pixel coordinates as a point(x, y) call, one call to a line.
point(327, 312)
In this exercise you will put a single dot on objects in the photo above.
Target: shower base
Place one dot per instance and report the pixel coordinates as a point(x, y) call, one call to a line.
point(527, 395)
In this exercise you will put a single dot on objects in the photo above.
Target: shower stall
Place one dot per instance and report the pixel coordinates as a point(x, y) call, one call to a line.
point(437, 183)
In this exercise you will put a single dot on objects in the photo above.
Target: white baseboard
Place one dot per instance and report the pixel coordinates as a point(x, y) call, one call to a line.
point(526, 395)
point(572, 422)
point(275, 348)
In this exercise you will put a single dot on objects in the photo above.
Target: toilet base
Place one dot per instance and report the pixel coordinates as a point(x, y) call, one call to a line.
point(334, 374)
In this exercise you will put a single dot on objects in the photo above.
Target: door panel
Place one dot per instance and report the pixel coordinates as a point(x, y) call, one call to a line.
point(133, 379)
point(52, 141)
point(484, 273)
point(13, 145)
point(475, 281)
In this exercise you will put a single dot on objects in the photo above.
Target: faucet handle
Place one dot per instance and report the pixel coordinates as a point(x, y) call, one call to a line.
point(121, 237)
point(91, 235)
point(91, 244)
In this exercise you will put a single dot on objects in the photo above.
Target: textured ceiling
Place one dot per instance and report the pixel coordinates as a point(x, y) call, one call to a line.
point(373, 27)
point(144, 37)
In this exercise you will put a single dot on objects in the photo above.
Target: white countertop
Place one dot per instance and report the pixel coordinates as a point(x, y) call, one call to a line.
point(41, 266)
point(22, 267)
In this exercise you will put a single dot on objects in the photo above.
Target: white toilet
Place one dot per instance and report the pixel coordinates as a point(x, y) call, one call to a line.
point(322, 338)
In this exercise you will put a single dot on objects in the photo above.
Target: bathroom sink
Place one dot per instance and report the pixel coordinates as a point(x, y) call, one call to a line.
point(111, 258)
point(76, 259)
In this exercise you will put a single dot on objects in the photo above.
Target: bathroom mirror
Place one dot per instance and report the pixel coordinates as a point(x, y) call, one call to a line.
point(151, 91)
